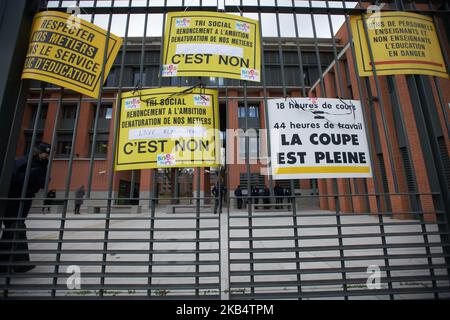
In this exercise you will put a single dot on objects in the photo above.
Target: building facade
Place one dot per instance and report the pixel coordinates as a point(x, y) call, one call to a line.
point(59, 126)
point(292, 67)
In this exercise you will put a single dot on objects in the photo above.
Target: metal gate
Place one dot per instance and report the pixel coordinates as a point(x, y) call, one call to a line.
point(380, 238)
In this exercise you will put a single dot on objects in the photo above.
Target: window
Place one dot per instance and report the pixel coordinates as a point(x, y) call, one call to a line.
point(42, 116)
point(314, 184)
point(101, 148)
point(252, 123)
point(106, 112)
point(256, 180)
point(151, 76)
point(253, 143)
point(111, 80)
point(253, 120)
point(306, 81)
point(102, 138)
point(216, 81)
point(152, 57)
point(290, 58)
point(137, 80)
point(28, 137)
point(101, 145)
point(104, 117)
point(253, 111)
point(69, 111)
point(68, 115)
point(271, 57)
point(286, 184)
point(273, 76)
point(63, 146)
point(292, 76)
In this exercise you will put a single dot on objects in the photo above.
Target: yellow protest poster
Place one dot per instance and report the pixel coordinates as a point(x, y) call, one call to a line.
point(211, 44)
point(168, 128)
point(401, 42)
point(69, 54)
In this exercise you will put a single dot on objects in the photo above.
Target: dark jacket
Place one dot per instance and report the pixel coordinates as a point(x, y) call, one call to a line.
point(215, 192)
point(36, 180)
point(79, 194)
point(278, 190)
point(50, 195)
point(266, 194)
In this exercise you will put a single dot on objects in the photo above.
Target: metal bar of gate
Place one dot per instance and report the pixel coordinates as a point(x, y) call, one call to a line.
point(340, 92)
point(113, 148)
point(66, 195)
point(371, 147)
point(98, 105)
point(339, 85)
point(334, 181)
point(291, 182)
point(382, 105)
point(390, 79)
point(293, 199)
point(198, 208)
point(250, 198)
point(154, 174)
point(141, 78)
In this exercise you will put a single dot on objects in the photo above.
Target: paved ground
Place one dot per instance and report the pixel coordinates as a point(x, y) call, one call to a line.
point(130, 232)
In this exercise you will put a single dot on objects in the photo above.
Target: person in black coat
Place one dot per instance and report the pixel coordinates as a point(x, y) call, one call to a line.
point(16, 219)
point(215, 194)
point(219, 197)
point(255, 195)
point(48, 202)
point(266, 197)
point(223, 197)
point(288, 194)
point(279, 193)
point(238, 194)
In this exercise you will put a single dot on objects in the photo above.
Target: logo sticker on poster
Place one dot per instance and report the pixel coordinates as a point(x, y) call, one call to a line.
point(183, 23)
point(166, 159)
point(201, 100)
point(249, 74)
point(169, 70)
point(67, 54)
point(132, 103)
point(318, 138)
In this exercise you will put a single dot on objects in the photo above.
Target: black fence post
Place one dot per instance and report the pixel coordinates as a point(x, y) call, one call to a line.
point(16, 18)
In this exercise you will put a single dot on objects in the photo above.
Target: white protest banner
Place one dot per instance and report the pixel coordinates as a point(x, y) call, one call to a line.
point(318, 138)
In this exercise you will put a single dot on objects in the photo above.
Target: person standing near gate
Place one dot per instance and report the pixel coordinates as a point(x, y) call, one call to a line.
point(238, 194)
point(15, 218)
point(215, 194)
point(223, 196)
point(255, 196)
point(48, 202)
point(79, 195)
point(287, 193)
point(279, 193)
point(265, 193)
